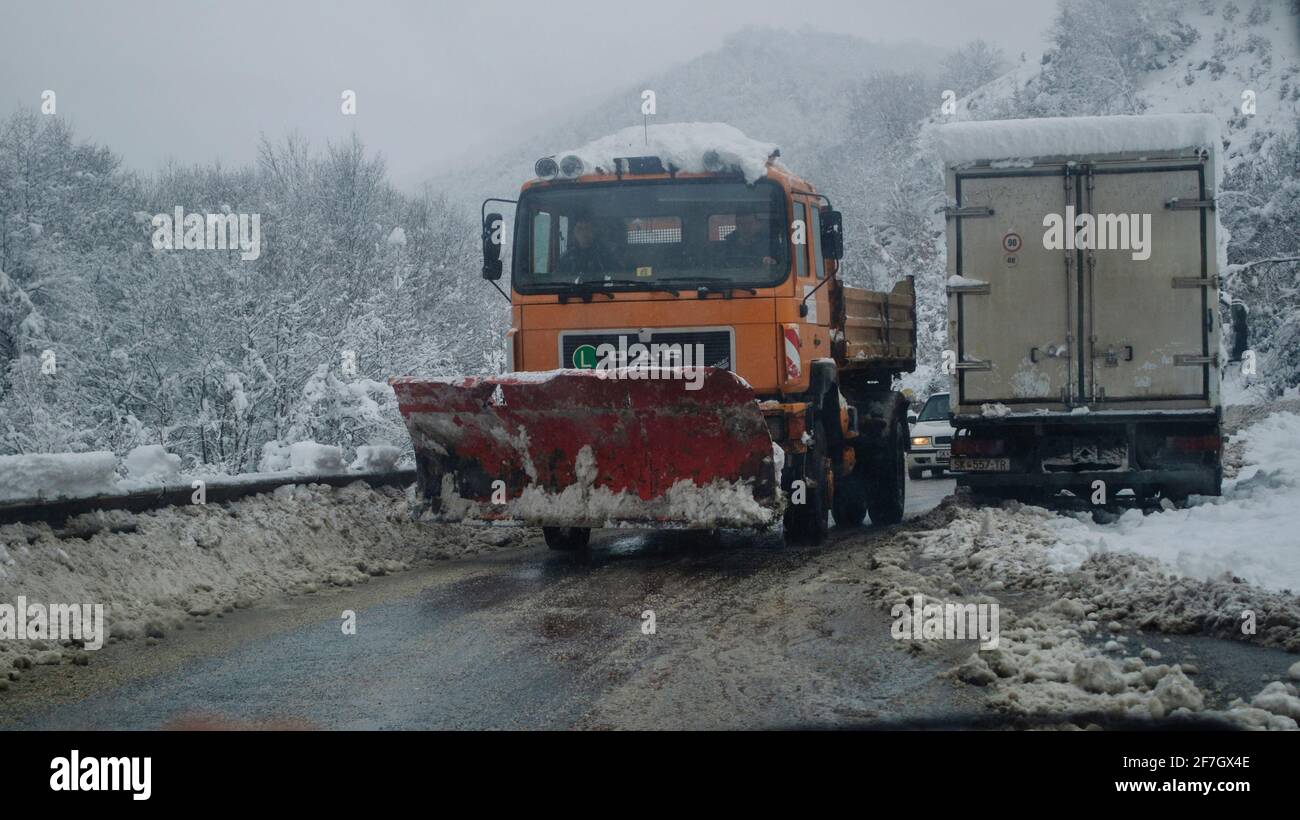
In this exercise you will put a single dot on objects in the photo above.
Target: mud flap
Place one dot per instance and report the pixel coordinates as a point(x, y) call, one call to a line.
point(588, 448)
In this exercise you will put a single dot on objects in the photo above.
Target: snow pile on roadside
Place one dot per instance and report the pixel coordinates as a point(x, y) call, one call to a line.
point(151, 464)
point(376, 458)
point(1061, 651)
point(1249, 532)
point(151, 467)
point(156, 571)
point(694, 147)
point(1018, 547)
point(56, 475)
point(310, 457)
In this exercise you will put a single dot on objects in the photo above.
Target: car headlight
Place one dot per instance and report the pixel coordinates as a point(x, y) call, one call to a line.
point(920, 441)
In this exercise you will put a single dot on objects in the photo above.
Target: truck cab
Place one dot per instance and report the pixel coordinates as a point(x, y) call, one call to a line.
point(661, 257)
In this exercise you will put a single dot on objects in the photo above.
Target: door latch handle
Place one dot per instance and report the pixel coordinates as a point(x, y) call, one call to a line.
point(1112, 355)
point(1053, 351)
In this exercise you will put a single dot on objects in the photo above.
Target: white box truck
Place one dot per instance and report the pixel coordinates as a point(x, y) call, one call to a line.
point(1083, 296)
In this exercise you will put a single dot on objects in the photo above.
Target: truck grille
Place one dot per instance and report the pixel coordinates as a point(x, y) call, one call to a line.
point(943, 439)
point(717, 343)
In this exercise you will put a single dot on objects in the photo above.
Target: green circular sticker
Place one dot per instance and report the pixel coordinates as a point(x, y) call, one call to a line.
point(584, 358)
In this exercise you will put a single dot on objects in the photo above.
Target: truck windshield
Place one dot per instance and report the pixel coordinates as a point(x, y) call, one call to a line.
point(936, 408)
point(641, 234)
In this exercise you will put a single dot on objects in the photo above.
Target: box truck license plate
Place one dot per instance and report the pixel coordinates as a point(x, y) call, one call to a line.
point(982, 465)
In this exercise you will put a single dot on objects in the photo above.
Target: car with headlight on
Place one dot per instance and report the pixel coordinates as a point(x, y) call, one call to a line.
point(931, 446)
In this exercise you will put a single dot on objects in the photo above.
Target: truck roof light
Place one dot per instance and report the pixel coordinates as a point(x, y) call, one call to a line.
point(546, 168)
point(572, 166)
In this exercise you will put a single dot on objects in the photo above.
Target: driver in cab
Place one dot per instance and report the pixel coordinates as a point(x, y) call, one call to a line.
point(585, 255)
point(750, 243)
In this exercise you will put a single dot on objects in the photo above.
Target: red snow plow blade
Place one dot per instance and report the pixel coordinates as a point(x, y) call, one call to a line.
point(587, 448)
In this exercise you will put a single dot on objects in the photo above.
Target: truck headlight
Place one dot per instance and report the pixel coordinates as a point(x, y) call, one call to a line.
point(920, 441)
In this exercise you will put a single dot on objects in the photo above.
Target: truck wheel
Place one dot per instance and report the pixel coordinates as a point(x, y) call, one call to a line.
point(886, 493)
point(849, 506)
point(805, 524)
point(567, 539)
point(915, 473)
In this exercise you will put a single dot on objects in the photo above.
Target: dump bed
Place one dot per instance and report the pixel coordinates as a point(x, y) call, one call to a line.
point(879, 329)
point(1081, 264)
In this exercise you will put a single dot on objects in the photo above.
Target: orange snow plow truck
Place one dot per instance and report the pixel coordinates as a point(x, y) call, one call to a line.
point(682, 351)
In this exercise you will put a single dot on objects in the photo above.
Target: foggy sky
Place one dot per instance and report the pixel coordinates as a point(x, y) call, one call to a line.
point(435, 81)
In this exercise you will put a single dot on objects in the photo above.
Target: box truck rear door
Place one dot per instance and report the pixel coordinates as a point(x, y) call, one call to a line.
point(1012, 304)
point(1149, 303)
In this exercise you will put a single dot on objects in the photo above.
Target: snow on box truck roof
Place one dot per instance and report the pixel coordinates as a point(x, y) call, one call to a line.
point(992, 140)
point(693, 147)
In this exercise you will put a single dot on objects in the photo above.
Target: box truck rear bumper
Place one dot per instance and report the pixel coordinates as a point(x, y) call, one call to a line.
point(1174, 456)
point(1170, 483)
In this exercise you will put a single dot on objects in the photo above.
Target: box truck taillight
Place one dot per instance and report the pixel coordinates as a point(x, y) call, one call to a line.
point(793, 364)
point(1209, 443)
point(967, 446)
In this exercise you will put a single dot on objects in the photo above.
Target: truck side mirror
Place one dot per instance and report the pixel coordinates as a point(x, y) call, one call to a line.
point(832, 238)
point(911, 417)
point(1240, 331)
point(493, 230)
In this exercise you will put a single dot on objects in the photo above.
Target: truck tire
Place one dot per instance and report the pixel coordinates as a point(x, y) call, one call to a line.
point(887, 489)
point(805, 524)
point(567, 539)
point(915, 473)
point(849, 506)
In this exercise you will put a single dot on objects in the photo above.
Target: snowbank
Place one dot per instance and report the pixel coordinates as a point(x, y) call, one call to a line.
point(1249, 532)
point(56, 475)
point(376, 458)
point(154, 572)
point(1070, 136)
point(310, 457)
point(693, 147)
point(1077, 638)
point(1083, 630)
point(151, 464)
point(151, 467)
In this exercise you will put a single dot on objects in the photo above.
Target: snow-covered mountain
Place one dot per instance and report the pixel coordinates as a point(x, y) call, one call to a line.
point(1194, 56)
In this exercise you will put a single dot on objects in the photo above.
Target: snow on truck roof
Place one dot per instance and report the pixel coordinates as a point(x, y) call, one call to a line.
point(991, 140)
point(694, 147)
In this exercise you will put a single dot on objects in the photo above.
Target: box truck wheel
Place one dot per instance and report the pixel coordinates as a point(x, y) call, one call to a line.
point(805, 524)
point(887, 489)
point(567, 539)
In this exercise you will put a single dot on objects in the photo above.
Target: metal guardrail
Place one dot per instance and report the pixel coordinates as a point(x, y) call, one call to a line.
point(57, 510)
